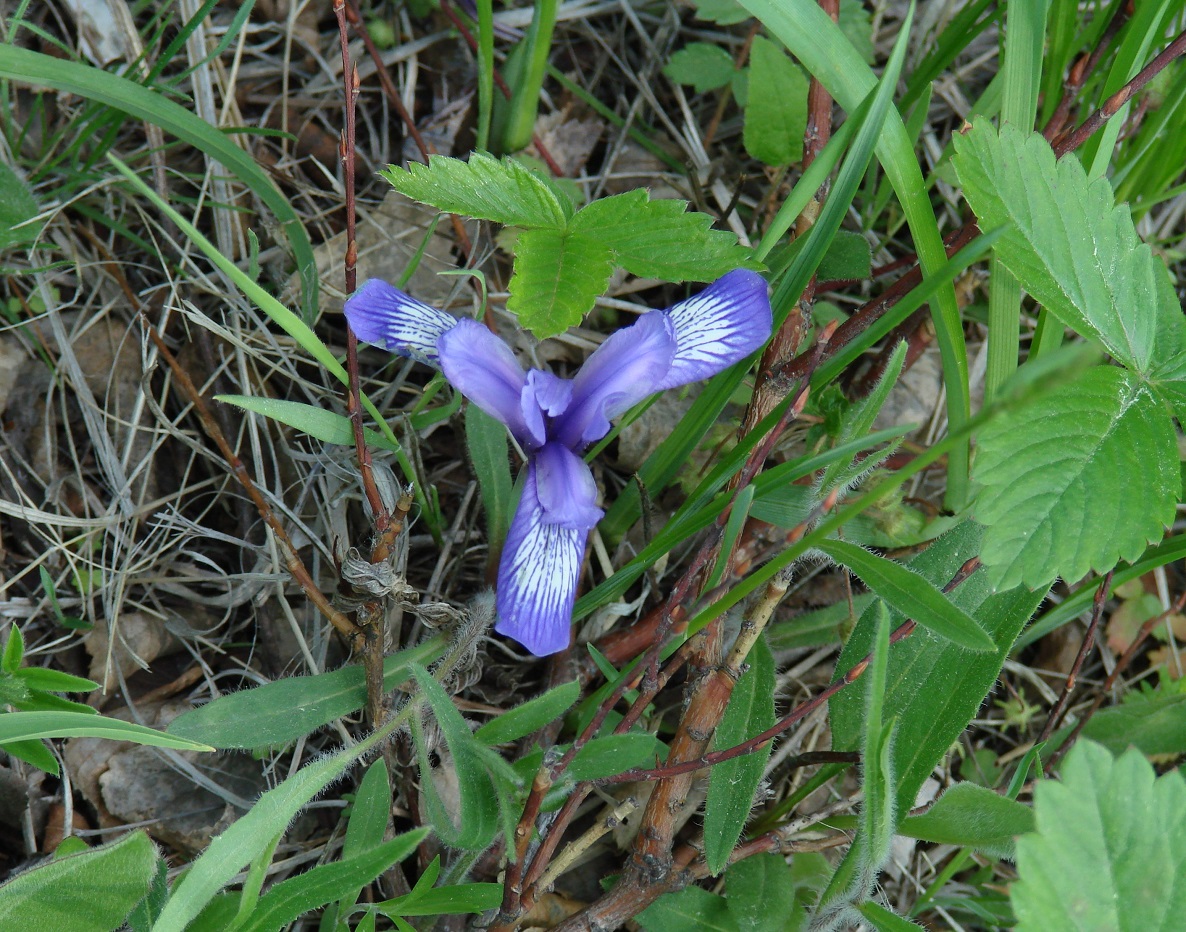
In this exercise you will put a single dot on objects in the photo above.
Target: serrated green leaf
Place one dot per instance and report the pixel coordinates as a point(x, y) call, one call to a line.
point(1109, 851)
point(530, 716)
point(775, 106)
point(326, 426)
point(760, 893)
point(614, 754)
point(972, 816)
point(87, 892)
point(25, 726)
point(475, 823)
point(489, 451)
point(911, 595)
point(292, 898)
point(732, 783)
point(281, 712)
point(690, 908)
point(1067, 243)
point(485, 188)
point(661, 238)
point(934, 687)
point(1076, 479)
point(705, 67)
point(557, 277)
point(1153, 724)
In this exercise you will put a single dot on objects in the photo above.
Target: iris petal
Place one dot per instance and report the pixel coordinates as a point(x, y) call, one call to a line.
point(566, 489)
point(627, 367)
point(722, 325)
point(483, 368)
point(382, 314)
point(537, 578)
point(545, 395)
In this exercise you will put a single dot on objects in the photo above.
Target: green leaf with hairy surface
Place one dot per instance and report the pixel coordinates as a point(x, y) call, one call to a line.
point(286, 901)
point(1109, 851)
point(86, 892)
point(1067, 242)
point(26, 67)
point(489, 452)
point(933, 687)
point(1153, 723)
point(476, 820)
point(530, 716)
point(367, 824)
point(444, 901)
point(690, 908)
point(54, 681)
point(557, 277)
point(776, 105)
point(14, 650)
point(705, 67)
point(884, 920)
point(732, 783)
point(613, 754)
point(972, 816)
point(911, 595)
point(1075, 479)
point(879, 814)
point(760, 893)
point(17, 206)
point(326, 426)
point(486, 188)
point(661, 238)
point(281, 712)
point(26, 726)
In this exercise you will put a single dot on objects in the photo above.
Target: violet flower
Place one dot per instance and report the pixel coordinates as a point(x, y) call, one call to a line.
point(554, 420)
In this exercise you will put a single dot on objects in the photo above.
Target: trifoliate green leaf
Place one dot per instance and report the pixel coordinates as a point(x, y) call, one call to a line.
point(1110, 849)
point(661, 238)
point(1075, 479)
point(706, 67)
point(1067, 242)
point(776, 105)
point(485, 188)
point(557, 277)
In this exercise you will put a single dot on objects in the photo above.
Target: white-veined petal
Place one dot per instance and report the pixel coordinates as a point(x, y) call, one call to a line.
point(381, 314)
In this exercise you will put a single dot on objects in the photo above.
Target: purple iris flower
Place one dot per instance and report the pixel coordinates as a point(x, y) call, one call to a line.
point(554, 419)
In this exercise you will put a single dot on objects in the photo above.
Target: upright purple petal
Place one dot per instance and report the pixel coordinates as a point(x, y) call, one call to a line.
point(382, 314)
point(544, 396)
point(537, 577)
point(483, 368)
point(565, 488)
point(627, 367)
point(722, 325)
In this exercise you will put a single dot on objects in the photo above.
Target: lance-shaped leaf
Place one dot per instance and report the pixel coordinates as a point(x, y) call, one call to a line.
point(1067, 242)
point(1110, 849)
point(1076, 479)
point(484, 188)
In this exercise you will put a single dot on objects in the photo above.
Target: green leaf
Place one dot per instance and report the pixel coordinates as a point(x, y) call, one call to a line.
point(33, 752)
point(54, 681)
point(879, 814)
point(1076, 479)
point(530, 716)
point(1153, 724)
point(292, 898)
point(17, 207)
point(326, 426)
point(661, 238)
point(444, 901)
point(972, 816)
point(911, 595)
point(934, 687)
point(24, 726)
point(690, 908)
point(776, 105)
point(485, 188)
point(705, 67)
point(368, 822)
point(89, 892)
point(477, 820)
point(557, 277)
point(14, 650)
point(760, 893)
point(721, 12)
point(281, 712)
point(1109, 851)
point(614, 754)
point(733, 783)
point(884, 920)
point(26, 68)
point(486, 440)
point(1067, 243)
